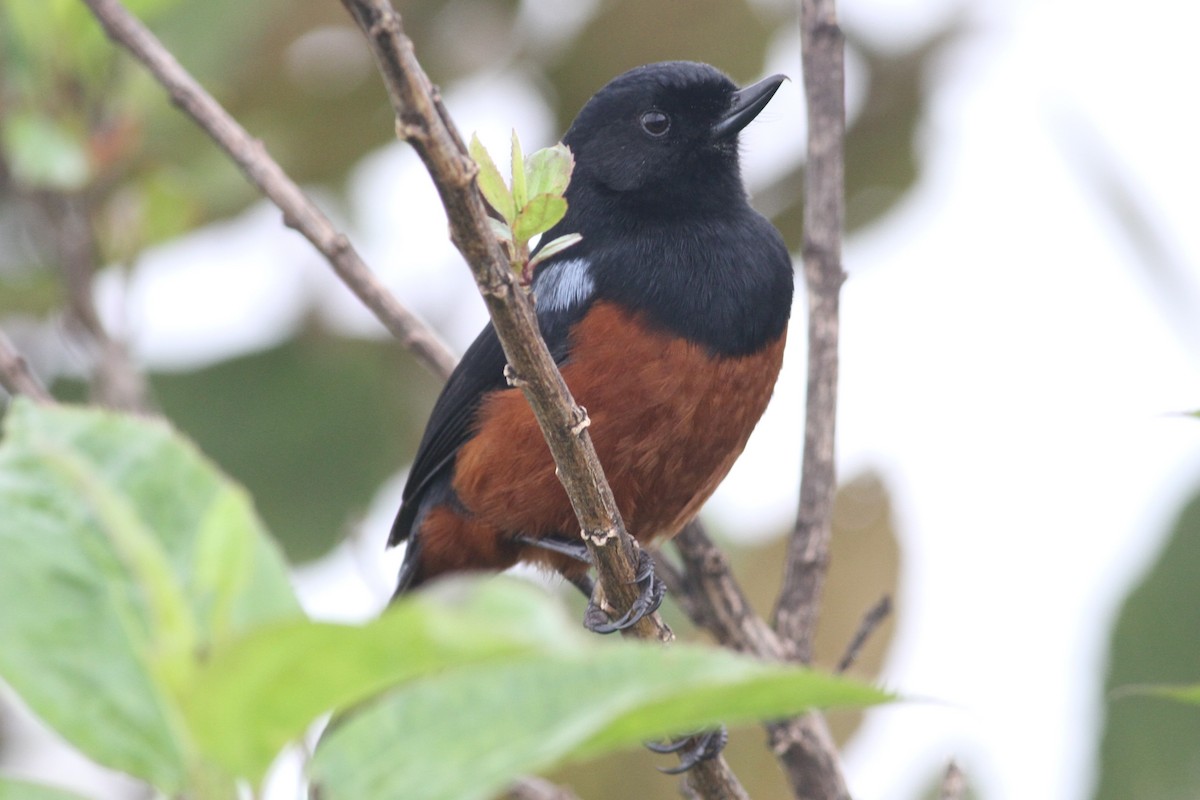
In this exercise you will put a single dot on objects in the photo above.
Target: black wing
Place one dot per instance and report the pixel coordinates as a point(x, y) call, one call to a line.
point(480, 372)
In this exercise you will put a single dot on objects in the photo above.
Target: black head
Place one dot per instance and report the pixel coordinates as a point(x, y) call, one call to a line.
point(666, 132)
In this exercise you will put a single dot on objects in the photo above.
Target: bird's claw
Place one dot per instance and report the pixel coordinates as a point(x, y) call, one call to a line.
point(692, 749)
point(650, 597)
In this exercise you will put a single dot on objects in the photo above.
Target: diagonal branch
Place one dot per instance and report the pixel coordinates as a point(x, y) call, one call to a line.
point(299, 212)
point(16, 377)
point(422, 120)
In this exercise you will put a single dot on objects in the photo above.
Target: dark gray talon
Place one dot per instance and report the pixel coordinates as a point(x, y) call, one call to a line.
point(653, 590)
point(692, 749)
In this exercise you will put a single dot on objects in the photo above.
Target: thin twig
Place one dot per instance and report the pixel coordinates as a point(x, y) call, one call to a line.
point(299, 212)
point(714, 600)
point(116, 382)
point(954, 784)
point(16, 377)
point(822, 46)
point(871, 621)
point(424, 123)
point(811, 765)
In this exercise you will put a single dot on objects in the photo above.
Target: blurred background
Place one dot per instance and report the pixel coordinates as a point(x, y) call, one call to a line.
point(1021, 334)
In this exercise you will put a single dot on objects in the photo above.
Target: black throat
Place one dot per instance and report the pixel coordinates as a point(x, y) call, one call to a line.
point(717, 274)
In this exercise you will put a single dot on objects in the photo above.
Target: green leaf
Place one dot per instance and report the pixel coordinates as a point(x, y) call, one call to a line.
point(555, 247)
point(490, 181)
point(1148, 749)
point(466, 733)
point(500, 229)
point(13, 789)
point(518, 173)
point(258, 693)
point(102, 615)
point(538, 216)
point(550, 170)
point(45, 154)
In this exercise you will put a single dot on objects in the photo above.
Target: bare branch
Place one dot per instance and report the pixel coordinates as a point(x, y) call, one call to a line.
point(803, 745)
point(116, 382)
point(530, 788)
point(806, 751)
point(299, 212)
point(16, 377)
point(954, 784)
point(714, 600)
point(874, 617)
point(712, 779)
point(822, 46)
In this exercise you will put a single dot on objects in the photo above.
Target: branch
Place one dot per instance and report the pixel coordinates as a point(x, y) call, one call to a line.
point(115, 381)
point(299, 212)
point(871, 621)
point(714, 600)
point(822, 47)
point(803, 745)
point(422, 120)
point(530, 788)
point(16, 377)
point(954, 784)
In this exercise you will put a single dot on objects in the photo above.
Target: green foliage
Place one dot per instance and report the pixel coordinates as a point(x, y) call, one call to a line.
point(1148, 747)
point(257, 693)
point(148, 618)
point(533, 205)
point(11, 789)
point(126, 558)
point(470, 731)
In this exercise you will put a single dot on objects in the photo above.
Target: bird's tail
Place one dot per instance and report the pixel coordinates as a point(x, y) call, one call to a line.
point(410, 569)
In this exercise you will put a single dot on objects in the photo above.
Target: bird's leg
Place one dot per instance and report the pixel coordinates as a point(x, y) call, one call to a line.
point(575, 549)
point(596, 619)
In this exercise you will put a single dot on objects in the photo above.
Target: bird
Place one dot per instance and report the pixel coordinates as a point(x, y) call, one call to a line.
point(667, 320)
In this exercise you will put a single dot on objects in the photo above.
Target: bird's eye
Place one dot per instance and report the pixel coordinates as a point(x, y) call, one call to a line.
point(655, 123)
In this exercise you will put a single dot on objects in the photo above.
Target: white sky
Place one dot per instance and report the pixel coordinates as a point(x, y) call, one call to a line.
point(1004, 364)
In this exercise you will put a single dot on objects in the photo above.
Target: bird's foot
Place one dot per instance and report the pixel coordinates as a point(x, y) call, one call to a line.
point(650, 596)
point(692, 749)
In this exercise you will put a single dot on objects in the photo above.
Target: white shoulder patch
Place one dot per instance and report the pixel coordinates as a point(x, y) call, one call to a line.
point(563, 285)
